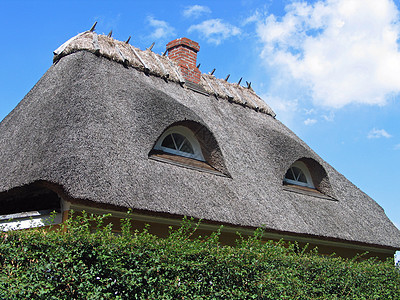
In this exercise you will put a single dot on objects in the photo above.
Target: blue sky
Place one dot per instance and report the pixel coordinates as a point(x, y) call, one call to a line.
point(329, 69)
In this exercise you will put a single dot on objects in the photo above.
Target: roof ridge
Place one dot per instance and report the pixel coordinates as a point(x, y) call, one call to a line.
point(158, 65)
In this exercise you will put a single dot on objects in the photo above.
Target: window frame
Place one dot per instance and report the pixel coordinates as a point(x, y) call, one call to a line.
point(302, 166)
point(189, 135)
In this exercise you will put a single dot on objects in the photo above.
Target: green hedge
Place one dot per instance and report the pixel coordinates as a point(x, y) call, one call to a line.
point(82, 263)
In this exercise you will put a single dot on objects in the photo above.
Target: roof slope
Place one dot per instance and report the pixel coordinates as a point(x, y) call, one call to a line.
point(90, 123)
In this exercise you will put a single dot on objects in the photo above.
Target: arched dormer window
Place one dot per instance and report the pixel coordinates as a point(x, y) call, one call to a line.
point(298, 174)
point(191, 145)
point(180, 141)
point(307, 176)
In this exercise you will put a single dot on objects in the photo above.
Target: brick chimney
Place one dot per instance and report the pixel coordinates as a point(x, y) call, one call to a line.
point(184, 52)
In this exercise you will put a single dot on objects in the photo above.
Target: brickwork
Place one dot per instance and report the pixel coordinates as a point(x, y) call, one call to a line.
point(184, 52)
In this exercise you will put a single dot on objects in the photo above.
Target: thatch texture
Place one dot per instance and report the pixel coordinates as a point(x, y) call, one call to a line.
point(158, 65)
point(90, 123)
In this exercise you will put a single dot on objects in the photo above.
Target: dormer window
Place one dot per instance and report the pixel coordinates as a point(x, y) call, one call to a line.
point(298, 174)
point(190, 145)
point(307, 176)
point(179, 140)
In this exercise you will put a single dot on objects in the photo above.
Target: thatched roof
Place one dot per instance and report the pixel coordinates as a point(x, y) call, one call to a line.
point(90, 123)
point(158, 65)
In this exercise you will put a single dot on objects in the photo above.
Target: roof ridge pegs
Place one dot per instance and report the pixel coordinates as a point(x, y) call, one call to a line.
point(93, 27)
point(151, 46)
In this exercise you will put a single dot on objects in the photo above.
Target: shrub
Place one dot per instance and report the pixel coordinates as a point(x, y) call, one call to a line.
point(85, 260)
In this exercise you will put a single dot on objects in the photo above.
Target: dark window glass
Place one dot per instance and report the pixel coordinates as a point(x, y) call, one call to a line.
point(296, 174)
point(177, 142)
point(168, 142)
point(289, 174)
point(299, 175)
point(179, 139)
point(302, 178)
point(187, 147)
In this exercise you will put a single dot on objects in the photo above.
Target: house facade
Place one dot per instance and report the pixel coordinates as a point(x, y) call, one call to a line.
point(110, 127)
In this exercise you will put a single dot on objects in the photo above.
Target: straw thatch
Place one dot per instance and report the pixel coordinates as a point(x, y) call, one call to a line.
point(158, 65)
point(90, 123)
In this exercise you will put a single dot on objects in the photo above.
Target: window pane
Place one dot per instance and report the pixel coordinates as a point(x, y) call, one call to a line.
point(179, 139)
point(289, 174)
point(187, 147)
point(297, 173)
point(302, 178)
point(168, 142)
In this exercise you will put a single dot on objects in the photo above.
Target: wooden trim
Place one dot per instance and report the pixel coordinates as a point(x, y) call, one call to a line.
point(185, 162)
point(65, 215)
point(306, 191)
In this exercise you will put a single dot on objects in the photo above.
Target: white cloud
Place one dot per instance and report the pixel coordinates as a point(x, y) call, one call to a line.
point(195, 11)
point(252, 19)
point(330, 117)
point(311, 111)
point(310, 121)
point(378, 133)
point(215, 30)
point(343, 51)
point(162, 29)
point(286, 110)
point(281, 104)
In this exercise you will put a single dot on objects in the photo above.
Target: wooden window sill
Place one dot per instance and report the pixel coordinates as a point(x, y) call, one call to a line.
point(185, 162)
point(306, 191)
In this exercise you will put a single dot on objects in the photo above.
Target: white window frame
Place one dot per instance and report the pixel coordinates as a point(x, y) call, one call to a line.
point(29, 219)
point(33, 219)
point(188, 134)
point(302, 166)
